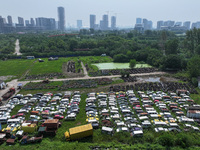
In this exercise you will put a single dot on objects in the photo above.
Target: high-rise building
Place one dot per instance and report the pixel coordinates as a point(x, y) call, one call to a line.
point(79, 24)
point(145, 24)
point(159, 24)
point(194, 25)
point(113, 22)
point(150, 25)
point(104, 23)
point(27, 22)
point(92, 21)
point(61, 18)
point(21, 21)
point(138, 20)
point(1, 24)
point(10, 20)
point(187, 24)
point(32, 22)
point(46, 23)
point(178, 24)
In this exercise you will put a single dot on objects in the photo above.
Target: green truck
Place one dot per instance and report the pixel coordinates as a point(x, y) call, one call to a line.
point(79, 132)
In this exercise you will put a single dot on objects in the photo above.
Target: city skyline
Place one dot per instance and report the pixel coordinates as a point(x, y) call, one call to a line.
point(126, 11)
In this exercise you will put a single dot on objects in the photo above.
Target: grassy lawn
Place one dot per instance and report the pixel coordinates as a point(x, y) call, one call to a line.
point(15, 67)
point(111, 65)
point(95, 59)
point(48, 66)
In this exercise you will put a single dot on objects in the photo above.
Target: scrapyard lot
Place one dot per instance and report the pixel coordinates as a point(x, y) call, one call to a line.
point(128, 117)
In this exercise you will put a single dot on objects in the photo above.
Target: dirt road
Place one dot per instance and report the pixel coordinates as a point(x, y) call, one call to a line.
point(84, 70)
point(15, 82)
point(17, 48)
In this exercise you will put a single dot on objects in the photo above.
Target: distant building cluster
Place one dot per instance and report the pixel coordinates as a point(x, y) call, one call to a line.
point(173, 26)
point(103, 24)
point(143, 24)
point(50, 24)
point(37, 24)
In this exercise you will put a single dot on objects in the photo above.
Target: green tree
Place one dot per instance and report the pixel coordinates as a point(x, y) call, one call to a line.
point(132, 63)
point(173, 62)
point(193, 66)
point(171, 47)
point(197, 50)
point(120, 58)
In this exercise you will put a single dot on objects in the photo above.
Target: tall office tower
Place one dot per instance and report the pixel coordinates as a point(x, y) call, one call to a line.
point(92, 21)
point(187, 24)
point(194, 25)
point(171, 23)
point(145, 24)
point(79, 24)
point(198, 24)
point(21, 21)
point(32, 22)
point(1, 24)
point(101, 24)
point(178, 24)
point(138, 20)
point(4, 20)
point(9, 20)
point(37, 22)
point(46, 23)
point(27, 22)
point(113, 22)
point(159, 24)
point(61, 18)
point(150, 25)
point(104, 22)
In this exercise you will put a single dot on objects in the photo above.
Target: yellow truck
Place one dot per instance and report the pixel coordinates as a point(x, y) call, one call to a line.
point(79, 132)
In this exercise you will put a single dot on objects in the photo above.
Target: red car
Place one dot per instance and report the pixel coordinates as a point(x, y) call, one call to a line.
point(58, 117)
point(14, 116)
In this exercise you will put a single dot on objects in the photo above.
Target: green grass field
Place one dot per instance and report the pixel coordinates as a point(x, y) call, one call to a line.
point(15, 67)
point(48, 66)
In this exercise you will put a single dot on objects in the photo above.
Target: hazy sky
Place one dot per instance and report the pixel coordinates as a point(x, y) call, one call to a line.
point(126, 10)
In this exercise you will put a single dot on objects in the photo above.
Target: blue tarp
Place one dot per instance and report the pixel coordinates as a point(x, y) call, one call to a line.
point(20, 84)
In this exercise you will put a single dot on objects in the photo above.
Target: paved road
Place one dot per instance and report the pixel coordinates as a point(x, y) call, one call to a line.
point(11, 84)
point(17, 48)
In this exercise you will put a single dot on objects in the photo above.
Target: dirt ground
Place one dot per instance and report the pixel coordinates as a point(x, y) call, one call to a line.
point(71, 74)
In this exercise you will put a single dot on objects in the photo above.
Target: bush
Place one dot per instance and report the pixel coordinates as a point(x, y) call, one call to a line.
point(132, 63)
point(184, 140)
point(166, 140)
point(195, 82)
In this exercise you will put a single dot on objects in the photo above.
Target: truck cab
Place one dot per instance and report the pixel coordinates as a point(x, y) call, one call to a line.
point(67, 136)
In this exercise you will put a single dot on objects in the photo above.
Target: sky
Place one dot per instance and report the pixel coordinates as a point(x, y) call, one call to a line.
point(126, 11)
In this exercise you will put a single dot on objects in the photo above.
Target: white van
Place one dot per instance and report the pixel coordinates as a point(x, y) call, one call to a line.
point(15, 121)
point(107, 130)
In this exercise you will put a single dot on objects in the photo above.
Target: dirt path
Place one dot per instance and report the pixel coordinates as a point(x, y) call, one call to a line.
point(15, 82)
point(112, 76)
point(84, 70)
point(17, 48)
